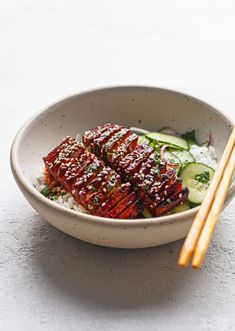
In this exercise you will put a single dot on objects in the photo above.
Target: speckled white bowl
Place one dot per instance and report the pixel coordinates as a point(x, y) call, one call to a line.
point(144, 107)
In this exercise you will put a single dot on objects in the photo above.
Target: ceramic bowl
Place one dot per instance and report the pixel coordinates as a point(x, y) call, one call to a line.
point(143, 107)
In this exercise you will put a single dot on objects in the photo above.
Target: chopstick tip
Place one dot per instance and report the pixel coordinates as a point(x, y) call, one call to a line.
point(184, 258)
point(198, 258)
point(181, 265)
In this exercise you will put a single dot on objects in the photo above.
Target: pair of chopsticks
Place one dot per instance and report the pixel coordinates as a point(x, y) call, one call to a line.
point(201, 231)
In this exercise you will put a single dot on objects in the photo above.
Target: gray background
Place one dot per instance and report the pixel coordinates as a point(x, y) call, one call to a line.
point(50, 49)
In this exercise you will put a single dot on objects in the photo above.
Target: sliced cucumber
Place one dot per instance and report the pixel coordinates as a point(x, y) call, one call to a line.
point(170, 157)
point(184, 156)
point(179, 209)
point(139, 131)
point(173, 162)
point(197, 177)
point(190, 137)
point(205, 144)
point(143, 140)
point(147, 213)
point(167, 130)
point(159, 137)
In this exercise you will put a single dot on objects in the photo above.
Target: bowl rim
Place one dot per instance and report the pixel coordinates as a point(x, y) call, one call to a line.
point(35, 194)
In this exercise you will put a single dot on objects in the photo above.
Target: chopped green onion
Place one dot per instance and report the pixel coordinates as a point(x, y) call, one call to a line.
point(203, 177)
point(45, 191)
point(95, 200)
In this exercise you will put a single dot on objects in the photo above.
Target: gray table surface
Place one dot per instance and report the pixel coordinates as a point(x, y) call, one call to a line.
point(50, 49)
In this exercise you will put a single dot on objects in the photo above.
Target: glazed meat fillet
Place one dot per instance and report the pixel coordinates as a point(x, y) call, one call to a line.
point(94, 185)
point(159, 187)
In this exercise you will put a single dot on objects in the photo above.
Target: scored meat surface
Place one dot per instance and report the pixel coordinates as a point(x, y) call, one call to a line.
point(95, 186)
point(159, 188)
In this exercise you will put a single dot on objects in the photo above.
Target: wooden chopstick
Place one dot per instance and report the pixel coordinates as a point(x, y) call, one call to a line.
point(208, 229)
point(198, 223)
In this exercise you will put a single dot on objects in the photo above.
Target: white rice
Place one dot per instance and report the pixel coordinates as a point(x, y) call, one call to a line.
point(204, 154)
point(64, 200)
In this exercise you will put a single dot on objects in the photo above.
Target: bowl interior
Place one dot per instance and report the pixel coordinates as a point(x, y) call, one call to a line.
point(148, 108)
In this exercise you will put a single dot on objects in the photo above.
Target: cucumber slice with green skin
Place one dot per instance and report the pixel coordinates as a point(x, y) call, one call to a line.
point(171, 158)
point(193, 205)
point(159, 137)
point(143, 140)
point(168, 130)
point(184, 156)
point(139, 131)
point(179, 209)
point(206, 144)
point(197, 177)
point(146, 213)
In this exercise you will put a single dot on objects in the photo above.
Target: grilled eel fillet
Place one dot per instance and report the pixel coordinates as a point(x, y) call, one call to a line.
point(94, 185)
point(159, 188)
